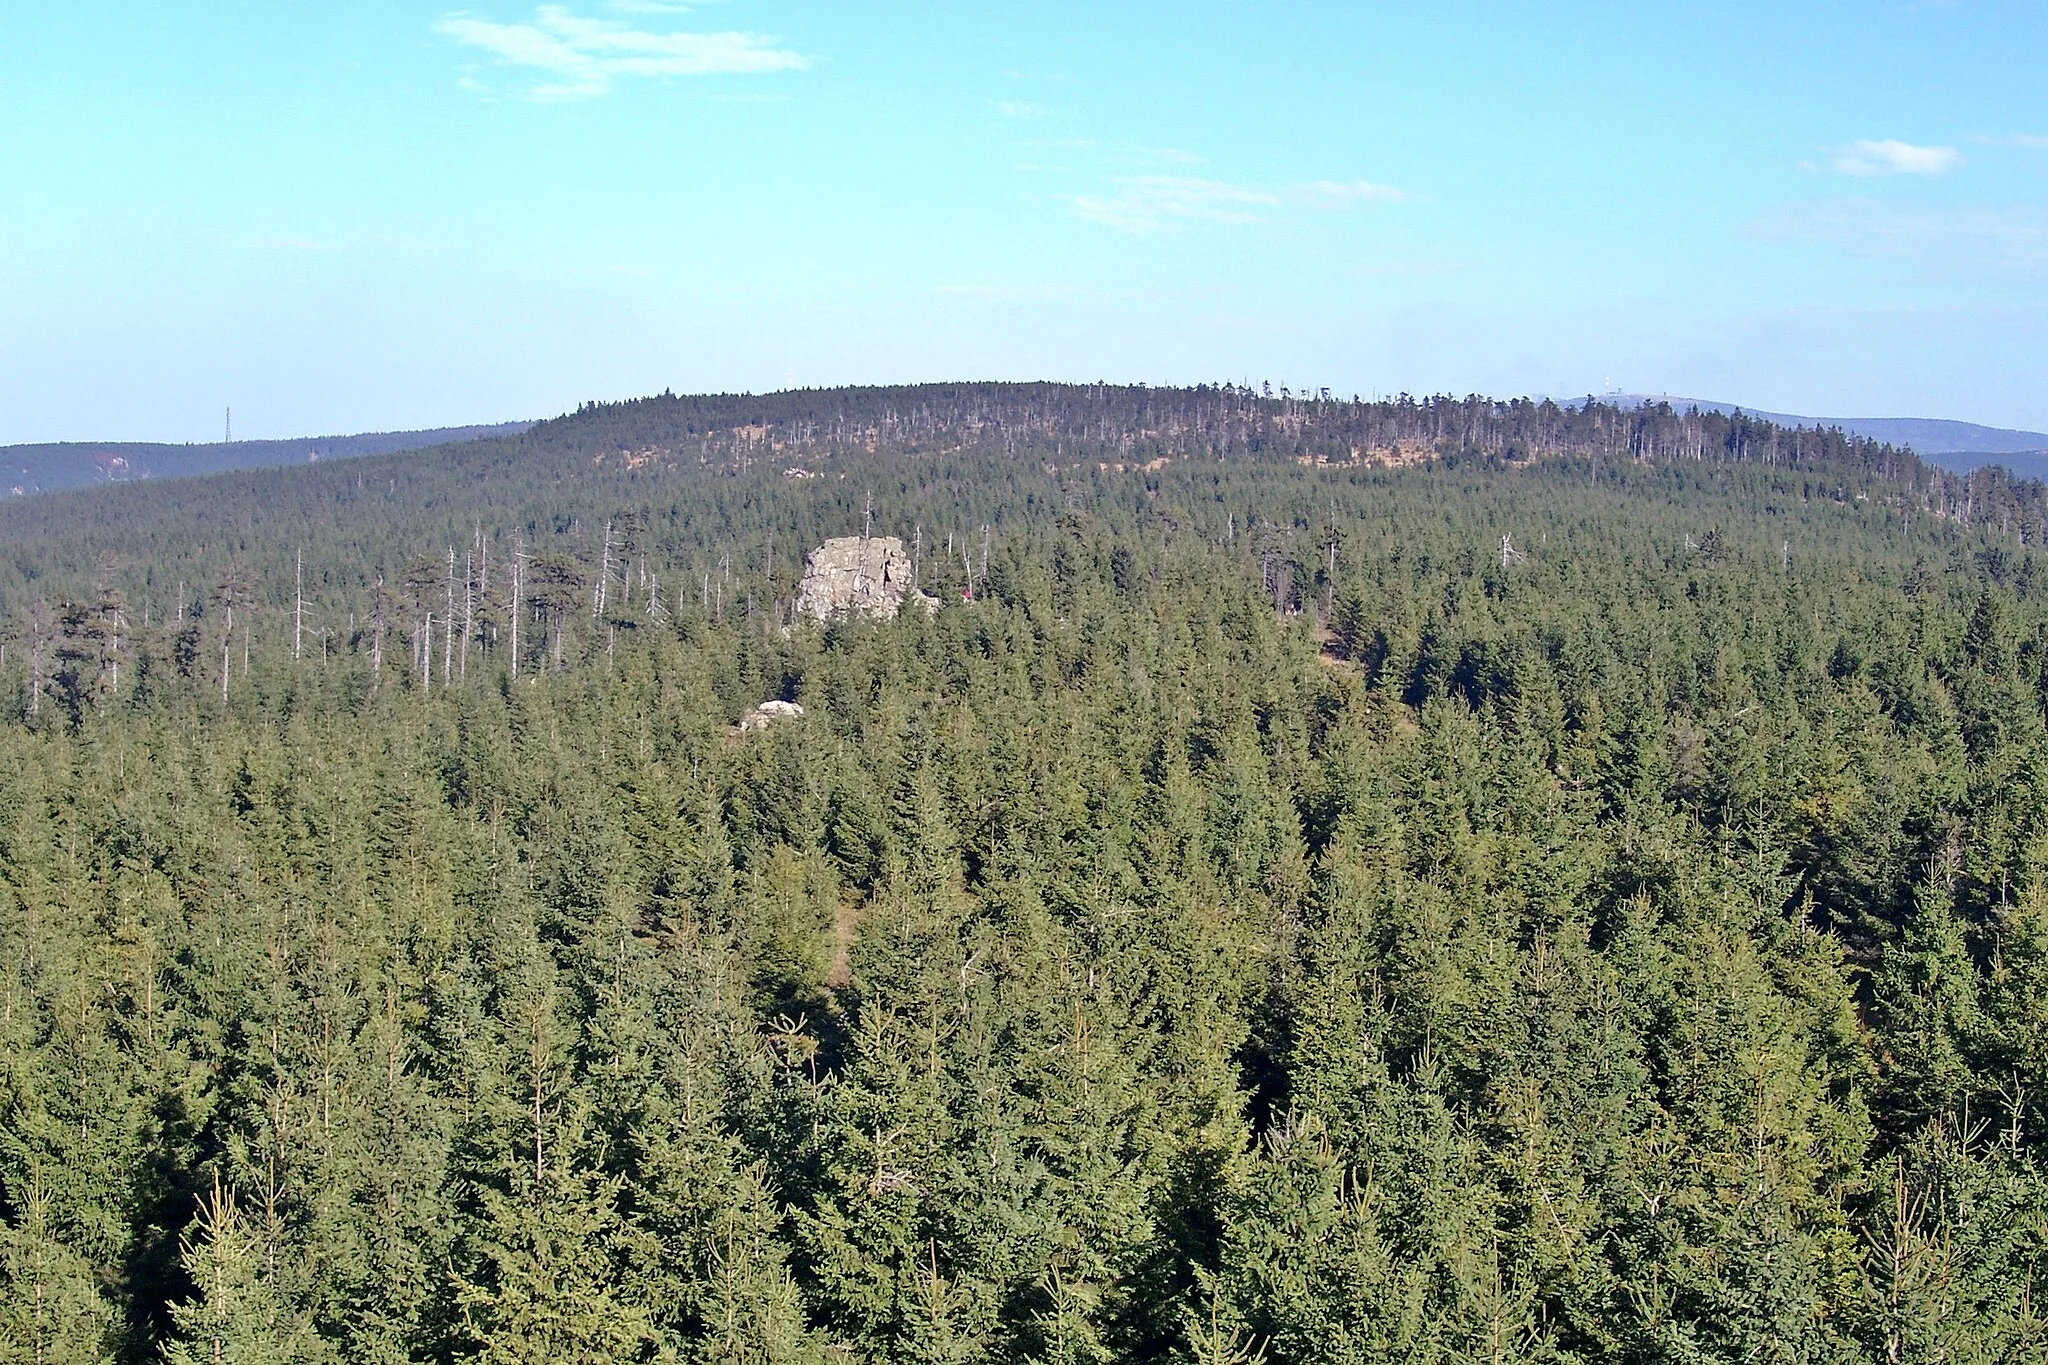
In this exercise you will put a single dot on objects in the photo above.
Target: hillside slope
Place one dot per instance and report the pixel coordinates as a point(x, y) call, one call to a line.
point(50, 467)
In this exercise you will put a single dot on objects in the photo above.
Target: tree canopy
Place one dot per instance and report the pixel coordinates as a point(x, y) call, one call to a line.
point(1424, 881)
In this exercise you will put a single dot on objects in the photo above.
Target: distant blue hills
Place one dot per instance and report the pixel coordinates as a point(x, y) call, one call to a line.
point(1960, 446)
point(73, 464)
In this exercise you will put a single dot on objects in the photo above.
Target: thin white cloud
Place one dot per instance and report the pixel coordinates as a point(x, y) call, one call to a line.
point(1889, 156)
point(2031, 142)
point(1008, 293)
point(1406, 270)
point(2003, 240)
point(1338, 192)
point(294, 244)
point(1144, 203)
point(1172, 156)
point(583, 57)
point(1020, 109)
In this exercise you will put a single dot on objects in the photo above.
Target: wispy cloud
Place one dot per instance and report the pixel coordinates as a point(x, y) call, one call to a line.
point(581, 57)
point(2006, 240)
point(294, 244)
point(1146, 203)
point(1172, 156)
point(1007, 293)
point(1889, 156)
point(1339, 192)
point(1020, 109)
point(1406, 270)
point(2028, 142)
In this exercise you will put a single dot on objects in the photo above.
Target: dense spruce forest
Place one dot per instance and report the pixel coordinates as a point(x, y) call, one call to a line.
point(1413, 881)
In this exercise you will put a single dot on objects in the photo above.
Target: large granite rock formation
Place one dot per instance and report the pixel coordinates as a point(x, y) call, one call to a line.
point(868, 576)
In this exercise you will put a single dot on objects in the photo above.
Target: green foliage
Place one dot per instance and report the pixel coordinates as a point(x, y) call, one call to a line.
point(1578, 897)
point(50, 1309)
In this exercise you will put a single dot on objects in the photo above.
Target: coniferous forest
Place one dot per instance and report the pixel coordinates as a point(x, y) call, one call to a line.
point(1411, 881)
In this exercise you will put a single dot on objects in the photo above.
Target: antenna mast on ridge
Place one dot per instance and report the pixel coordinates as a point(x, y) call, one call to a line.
point(228, 429)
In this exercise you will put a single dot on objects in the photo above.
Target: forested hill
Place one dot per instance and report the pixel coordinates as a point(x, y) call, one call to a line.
point(1028, 442)
point(48, 467)
point(1430, 881)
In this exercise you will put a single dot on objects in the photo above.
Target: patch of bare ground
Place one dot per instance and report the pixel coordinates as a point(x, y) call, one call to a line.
point(845, 920)
point(1329, 654)
point(1400, 455)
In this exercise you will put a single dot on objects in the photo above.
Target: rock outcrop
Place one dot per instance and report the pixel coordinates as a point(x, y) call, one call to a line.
point(866, 576)
point(767, 713)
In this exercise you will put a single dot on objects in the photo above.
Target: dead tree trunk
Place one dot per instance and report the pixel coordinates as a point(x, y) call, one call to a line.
point(448, 623)
point(377, 634)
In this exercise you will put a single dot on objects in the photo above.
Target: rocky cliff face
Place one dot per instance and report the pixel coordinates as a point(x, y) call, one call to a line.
point(868, 576)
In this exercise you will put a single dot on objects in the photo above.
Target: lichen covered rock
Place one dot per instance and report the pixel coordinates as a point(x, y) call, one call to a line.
point(866, 576)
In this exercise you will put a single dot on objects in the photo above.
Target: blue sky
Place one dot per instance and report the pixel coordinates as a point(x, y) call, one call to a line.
point(382, 214)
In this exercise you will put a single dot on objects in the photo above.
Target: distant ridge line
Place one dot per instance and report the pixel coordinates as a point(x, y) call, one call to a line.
point(1960, 447)
point(1926, 435)
point(50, 466)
